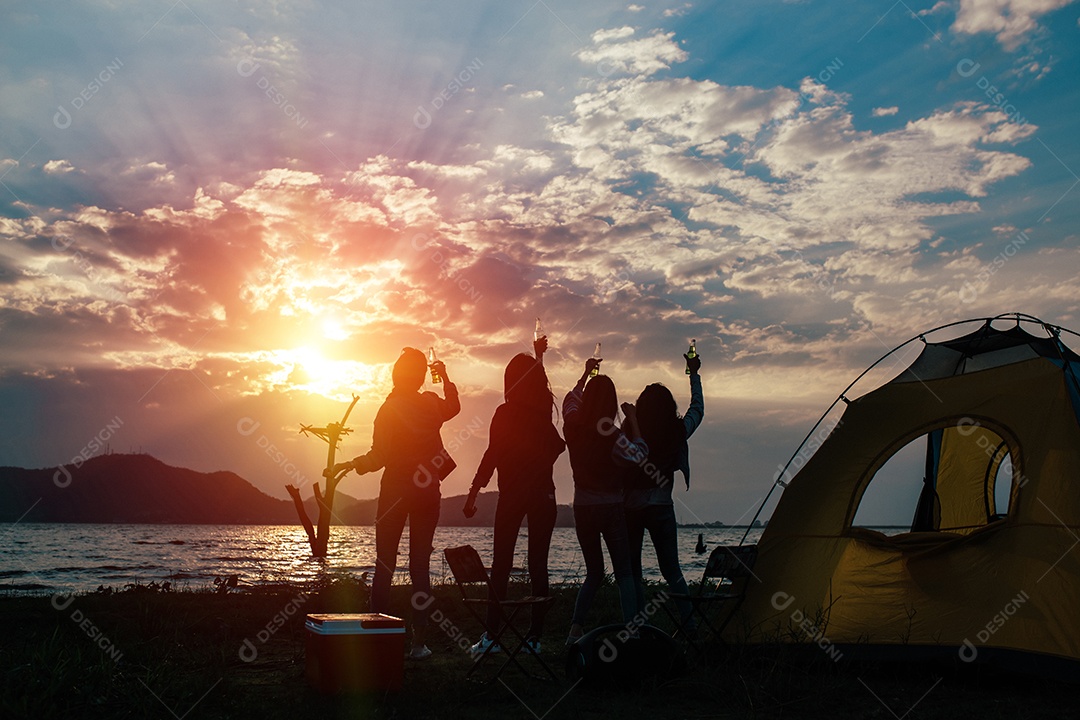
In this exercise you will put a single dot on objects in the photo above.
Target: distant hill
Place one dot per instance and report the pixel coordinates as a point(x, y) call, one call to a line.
point(140, 488)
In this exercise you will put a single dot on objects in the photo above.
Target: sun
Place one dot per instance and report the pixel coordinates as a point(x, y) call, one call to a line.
point(332, 329)
point(307, 369)
point(310, 366)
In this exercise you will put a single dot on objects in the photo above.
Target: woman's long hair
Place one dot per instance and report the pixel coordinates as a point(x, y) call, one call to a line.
point(525, 385)
point(659, 421)
point(599, 406)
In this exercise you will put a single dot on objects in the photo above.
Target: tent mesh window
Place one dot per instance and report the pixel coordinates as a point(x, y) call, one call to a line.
point(964, 464)
point(965, 484)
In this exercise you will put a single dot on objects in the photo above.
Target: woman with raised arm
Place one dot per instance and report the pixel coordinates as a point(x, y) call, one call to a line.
point(649, 505)
point(523, 445)
point(406, 442)
point(599, 450)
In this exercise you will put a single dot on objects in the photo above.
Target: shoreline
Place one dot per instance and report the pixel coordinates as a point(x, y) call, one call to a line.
point(82, 557)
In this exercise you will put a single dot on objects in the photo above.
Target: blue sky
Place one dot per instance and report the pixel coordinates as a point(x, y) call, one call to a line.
point(211, 214)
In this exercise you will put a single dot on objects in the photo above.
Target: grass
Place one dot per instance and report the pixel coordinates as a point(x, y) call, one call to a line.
point(144, 653)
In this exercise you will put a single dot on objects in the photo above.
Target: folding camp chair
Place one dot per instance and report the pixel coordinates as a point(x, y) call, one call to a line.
point(471, 577)
point(724, 582)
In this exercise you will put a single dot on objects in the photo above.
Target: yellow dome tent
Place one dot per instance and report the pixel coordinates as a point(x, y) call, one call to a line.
point(969, 579)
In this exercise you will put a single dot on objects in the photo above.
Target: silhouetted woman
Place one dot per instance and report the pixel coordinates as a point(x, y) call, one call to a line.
point(648, 486)
point(598, 451)
point(523, 445)
point(406, 442)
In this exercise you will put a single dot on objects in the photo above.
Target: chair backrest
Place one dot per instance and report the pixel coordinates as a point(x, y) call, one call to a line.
point(729, 562)
point(466, 565)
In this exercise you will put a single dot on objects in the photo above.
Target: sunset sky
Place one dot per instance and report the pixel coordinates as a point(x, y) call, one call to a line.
point(220, 220)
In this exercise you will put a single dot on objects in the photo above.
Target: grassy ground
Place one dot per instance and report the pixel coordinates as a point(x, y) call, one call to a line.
point(197, 654)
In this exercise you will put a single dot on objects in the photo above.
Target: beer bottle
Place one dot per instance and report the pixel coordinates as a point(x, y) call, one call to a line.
point(692, 352)
point(596, 356)
point(435, 377)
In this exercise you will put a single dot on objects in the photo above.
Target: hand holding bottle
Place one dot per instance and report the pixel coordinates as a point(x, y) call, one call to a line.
point(435, 365)
point(691, 354)
point(693, 363)
point(595, 369)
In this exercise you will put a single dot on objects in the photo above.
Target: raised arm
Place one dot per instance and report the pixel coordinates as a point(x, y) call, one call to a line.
point(696, 412)
point(572, 402)
point(571, 405)
point(449, 406)
point(539, 348)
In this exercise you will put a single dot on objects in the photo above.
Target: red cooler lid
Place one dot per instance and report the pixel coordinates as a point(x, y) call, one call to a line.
point(354, 623)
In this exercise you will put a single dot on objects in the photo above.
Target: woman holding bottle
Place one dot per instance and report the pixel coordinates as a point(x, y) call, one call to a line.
point(599, 453)
point(406, 442)
point(523, 445)
point(649, 504)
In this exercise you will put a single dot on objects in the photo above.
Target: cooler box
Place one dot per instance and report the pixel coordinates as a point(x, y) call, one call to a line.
point(354, 652)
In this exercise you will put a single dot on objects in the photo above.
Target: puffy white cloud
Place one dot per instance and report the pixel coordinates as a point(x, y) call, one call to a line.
point(58, 167)
point(941, 6)
point(614, 52)
point(620, 33)
point(677, 11)
point(152, 172)
point(1011, 21)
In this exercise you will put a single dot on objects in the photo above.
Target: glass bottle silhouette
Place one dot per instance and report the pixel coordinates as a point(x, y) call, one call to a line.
point(596, 356)
point(539, 331)
point(691, 353)
point(435, 377)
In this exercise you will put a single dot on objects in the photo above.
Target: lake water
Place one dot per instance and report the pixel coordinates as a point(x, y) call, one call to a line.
point(50, 557)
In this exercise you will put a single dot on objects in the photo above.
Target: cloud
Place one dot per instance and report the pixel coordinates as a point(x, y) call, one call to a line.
point(58, 167)
point(803, 210)
point(679, 11)
point(620, 33)
point(669, 201)
point(941, 6)
point(1011, 21)
point(885, 111)
point(614, 52)
point(152, 172)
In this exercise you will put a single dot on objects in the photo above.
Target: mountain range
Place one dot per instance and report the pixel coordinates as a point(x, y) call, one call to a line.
point(139, 488)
